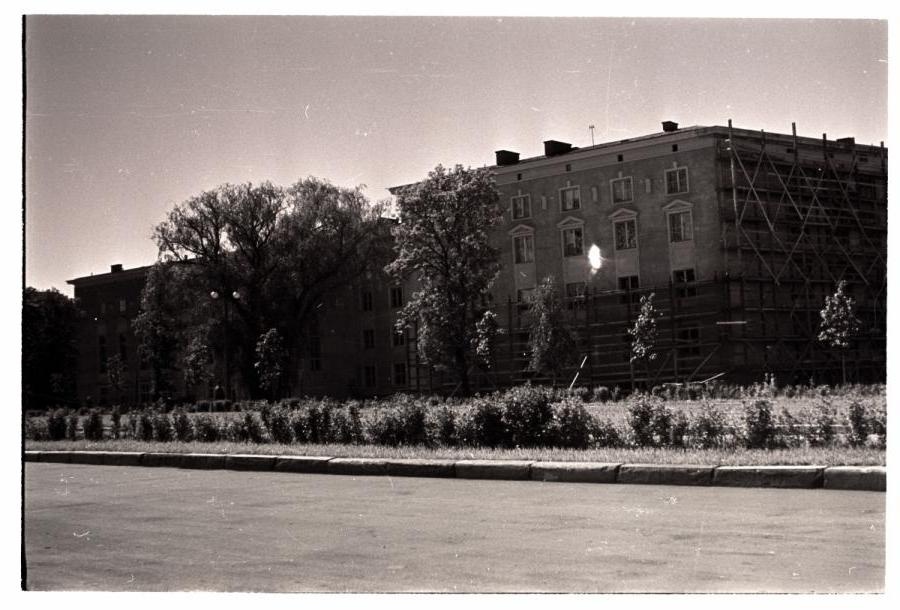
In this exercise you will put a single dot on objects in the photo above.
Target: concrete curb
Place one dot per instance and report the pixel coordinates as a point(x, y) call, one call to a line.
point(357, 466)
point(574, 472)
point(509, 470)
point(665, 474)
point(856, 478)
point(301, 463)
point(769, 476)
point(445, 469)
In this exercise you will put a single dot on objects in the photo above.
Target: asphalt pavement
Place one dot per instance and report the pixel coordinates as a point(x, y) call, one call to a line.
point(156, 529)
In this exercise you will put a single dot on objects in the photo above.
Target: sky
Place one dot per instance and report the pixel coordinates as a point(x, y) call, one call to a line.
point(126, 116)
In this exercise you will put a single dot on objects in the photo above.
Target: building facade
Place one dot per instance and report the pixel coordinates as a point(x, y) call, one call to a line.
point(739, 235)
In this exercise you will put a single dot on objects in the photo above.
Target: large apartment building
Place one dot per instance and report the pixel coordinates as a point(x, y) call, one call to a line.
point(739, 234)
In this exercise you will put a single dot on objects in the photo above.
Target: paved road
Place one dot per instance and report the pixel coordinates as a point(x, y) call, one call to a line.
point(126, 528)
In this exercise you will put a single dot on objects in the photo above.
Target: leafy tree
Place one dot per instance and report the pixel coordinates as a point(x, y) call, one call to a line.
point(270, 361)
point(643, 334)
point(839, 323)
point(115, 373)
point(49, 348)
point(443, 242)
point(281, 250)
point(197, 360)
point(552, 342)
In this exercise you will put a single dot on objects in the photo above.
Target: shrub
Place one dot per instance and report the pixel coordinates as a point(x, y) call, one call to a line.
point(93, 426)
point(206, 429)
point(355, 423)
point(602, 394)
point(605, 434)
point(572, 425)
point(115, 428)
point(708, 427)
point(71, 427)
point(759, 425)
point(56, 425)
point(792, 433)
point(865, 420)
point(184, 429)
point(650, 420)
point(415, 431)
point(299, 426)
point(279, 426)
point(386, 427)
point(162, 428)
point(679, 432)
point(144, 430)
point(820, 428)
point(446, 427)
point(36, 429)
point(527, 416)
point(485, 426)
point(314, 433)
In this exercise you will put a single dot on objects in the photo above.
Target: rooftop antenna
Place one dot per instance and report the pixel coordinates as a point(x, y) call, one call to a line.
point(591, 127)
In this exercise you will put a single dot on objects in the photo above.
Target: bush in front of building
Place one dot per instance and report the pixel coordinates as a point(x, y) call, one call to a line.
point(56, 425)
point(92, 425)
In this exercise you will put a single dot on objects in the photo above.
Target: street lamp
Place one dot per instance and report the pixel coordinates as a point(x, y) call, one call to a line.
point(226, 301)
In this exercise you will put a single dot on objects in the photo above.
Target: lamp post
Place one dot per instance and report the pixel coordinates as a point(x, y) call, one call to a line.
point(226, 301)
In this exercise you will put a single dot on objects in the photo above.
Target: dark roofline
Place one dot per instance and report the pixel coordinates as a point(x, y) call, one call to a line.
point(110, 276)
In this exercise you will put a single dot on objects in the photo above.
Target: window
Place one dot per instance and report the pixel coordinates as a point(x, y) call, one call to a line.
point(367, 300)
point(397, 296)
point(398, 338)
point(523, 249)
point(626, 234)
point(521, 206)
point(622, 190)
point(369, 376)
point(523, 295)
point(684, 276)
point(676, 181)
point(102, 309)
point(681, 226)
point(123, 305)
point(369, 338)
point(575, 289)
point(399, 373)
point(629, 283)
point(570, 198)
point(688, 340)
point(573, 242)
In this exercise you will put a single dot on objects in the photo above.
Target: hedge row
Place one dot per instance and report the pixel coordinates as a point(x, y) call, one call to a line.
point(521, 417)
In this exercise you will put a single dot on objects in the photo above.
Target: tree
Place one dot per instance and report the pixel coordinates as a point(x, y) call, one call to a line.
point(115, 374)
point(197, 360)
point(280, 251)
point(49, 348)
point(839, 323)
point(270, 361)
point(552, 342)
point(643, 334)
point(443, 242)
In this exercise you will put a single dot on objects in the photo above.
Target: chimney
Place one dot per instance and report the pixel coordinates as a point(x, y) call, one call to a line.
point(115, 268)
point(554, 147)
point(506, 157)
point(847, 142)
point(669, 126)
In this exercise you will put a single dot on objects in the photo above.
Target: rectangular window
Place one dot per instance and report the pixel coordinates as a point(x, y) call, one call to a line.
point(629, 283)
point(573, 242)
point(398, 338)
point(575, 289)
point(570, 198)
point(681, 226)
point(369, 338)
point(397, 297)
point(102, 309)
point(399, 373)
point(626, 234)
point(367, 300)
point(688, 340)
point(369, 376)
point(622, 190)
point(521, 207)
point(681, 277)
point(523, 249)
point(123, 305)
point(676, 181)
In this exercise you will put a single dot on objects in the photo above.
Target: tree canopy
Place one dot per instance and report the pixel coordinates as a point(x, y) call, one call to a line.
point(552, 342)
point(49, 348)
point(442, 242)
point(271, 254)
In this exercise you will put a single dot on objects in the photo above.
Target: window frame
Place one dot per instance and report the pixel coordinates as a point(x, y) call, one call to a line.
point(562, 198)
point(676, 170)
point(680, 213)
point(562, 233)
point(634, 236)
point(526, 201)
point(528, 239)
point(622, 180)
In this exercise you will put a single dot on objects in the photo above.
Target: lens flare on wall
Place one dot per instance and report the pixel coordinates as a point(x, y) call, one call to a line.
point(595, 259)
